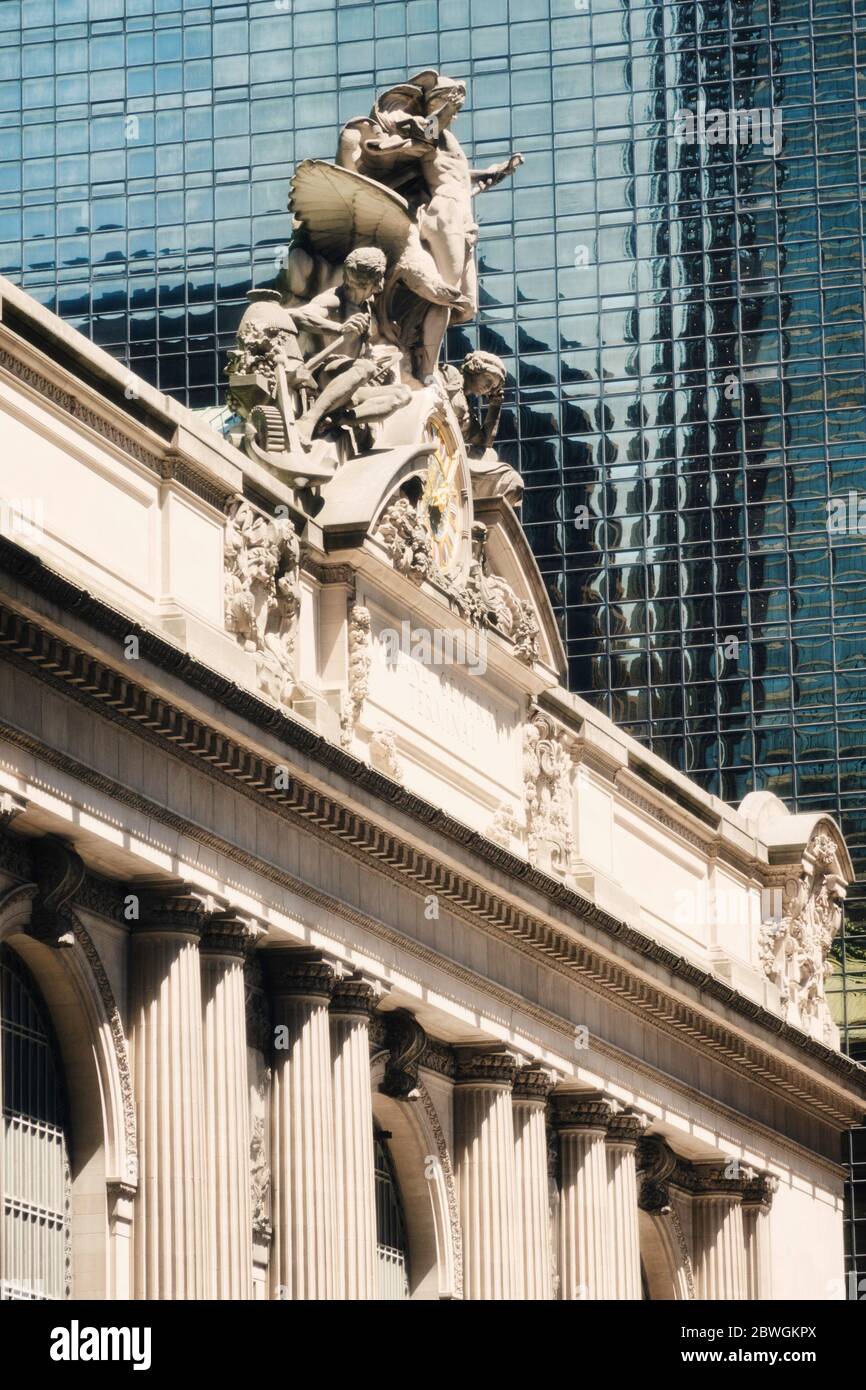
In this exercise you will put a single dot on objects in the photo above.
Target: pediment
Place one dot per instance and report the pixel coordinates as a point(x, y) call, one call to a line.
point(511, 557)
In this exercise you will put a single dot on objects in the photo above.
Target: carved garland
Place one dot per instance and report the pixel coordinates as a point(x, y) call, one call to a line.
point(360, 661)
point(263, 594)
point(547, 774)
point(794, 951)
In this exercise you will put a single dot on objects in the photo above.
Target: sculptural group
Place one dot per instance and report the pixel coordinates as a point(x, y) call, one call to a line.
point(382, 261)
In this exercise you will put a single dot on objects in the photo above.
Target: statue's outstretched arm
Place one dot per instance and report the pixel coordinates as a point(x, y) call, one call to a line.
point(482, 179)
point(390, 150)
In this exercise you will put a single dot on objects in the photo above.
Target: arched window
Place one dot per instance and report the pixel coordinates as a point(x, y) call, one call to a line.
point(391, 1244)
point(35, 1239)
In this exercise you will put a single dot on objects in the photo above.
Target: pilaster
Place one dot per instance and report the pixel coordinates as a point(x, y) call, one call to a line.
point(224, 945)
point(302, 1119)
point(352, 1003)
point(171, 1236)
point(584, 1209)
point(534, 1256)
point(624, 1279)
point(484, 1136)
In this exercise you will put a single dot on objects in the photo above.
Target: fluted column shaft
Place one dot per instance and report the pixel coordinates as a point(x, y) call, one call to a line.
point(624, 1281)
point(719, 1243)
point(227, 1112)
point(484, 1136)
point(757, 1200)
point(534, 1263)
point(355, 1182)
point(170, 1240)
point(302, 1148)
point(584, 1208)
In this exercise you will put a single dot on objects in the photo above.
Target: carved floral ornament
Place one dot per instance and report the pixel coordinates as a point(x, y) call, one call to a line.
point(548, 769)
point(483, 598)
point(794, 949)
point(263, 593)
point(360, 661)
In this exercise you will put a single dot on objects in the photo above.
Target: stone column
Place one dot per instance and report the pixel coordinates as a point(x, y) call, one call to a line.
point(584, 1208)
point(757, 1200)
point(352, 1003)
point(484, 1140)
point(623, 1134)
point(718, 1237)
point(534, 1255)
point(302, 1110)
point(224, 944)
point(170, 1240)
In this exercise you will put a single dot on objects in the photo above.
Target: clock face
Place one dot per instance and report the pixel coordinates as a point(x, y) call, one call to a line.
point(441, 506)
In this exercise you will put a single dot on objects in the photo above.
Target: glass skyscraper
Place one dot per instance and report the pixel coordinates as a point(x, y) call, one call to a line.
point(682, 318)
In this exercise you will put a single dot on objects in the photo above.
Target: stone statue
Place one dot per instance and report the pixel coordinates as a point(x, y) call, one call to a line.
point(348, 384)
point(422, 214)
point(795, 950)
point(382, 260)
point(406, 143)
point(263, 593)
point(482, 374)
point(357, 379)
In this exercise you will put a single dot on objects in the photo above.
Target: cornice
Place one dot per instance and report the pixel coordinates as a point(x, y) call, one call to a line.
point(167, 466)
point(97, 684)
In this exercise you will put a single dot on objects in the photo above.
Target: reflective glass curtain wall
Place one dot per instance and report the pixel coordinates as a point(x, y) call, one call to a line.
point(683, 321)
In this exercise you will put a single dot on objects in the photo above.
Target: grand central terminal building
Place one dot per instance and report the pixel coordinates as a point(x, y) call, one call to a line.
point(344, 954)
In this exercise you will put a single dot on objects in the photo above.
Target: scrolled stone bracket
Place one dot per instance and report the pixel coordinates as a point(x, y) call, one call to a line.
point(656, 1163)
point(59, 876)
point(406, 1041)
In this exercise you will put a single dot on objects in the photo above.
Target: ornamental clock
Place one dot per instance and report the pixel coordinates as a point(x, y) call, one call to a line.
point(442, 508)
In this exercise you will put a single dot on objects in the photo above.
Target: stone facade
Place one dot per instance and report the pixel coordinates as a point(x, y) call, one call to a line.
point(303, 843)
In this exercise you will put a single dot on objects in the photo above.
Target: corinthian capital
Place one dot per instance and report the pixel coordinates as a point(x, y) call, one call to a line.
point(228, 933)
point(357, 994)
point(534, 1083)
point(573, 1111)
point(760, 1191)
point(301, 973)
point(626, 1127)
point(497, 1066)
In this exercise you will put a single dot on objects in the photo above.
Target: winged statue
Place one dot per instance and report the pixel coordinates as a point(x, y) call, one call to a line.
point(339, 210)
